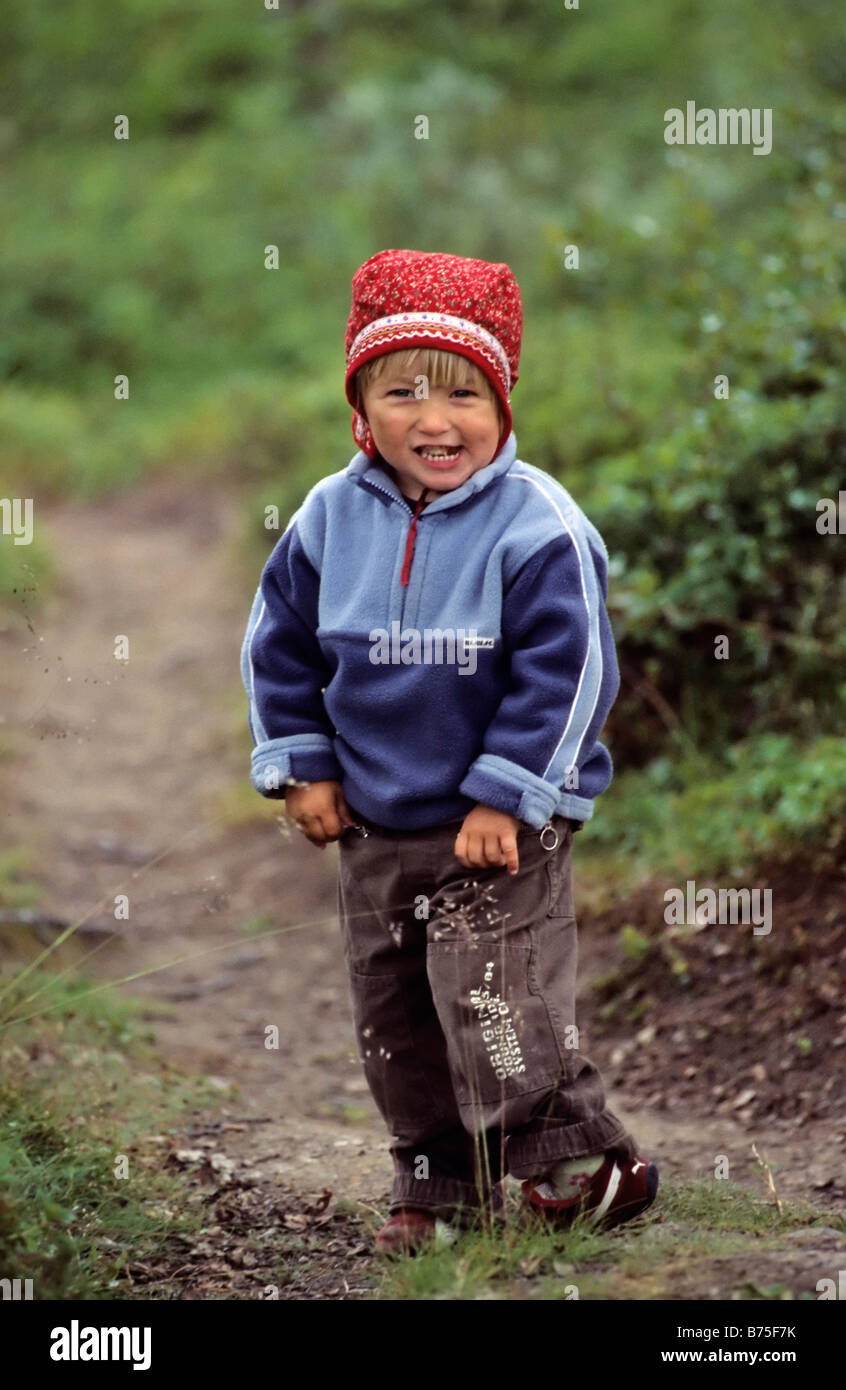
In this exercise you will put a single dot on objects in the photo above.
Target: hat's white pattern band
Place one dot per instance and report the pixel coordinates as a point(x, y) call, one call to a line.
point(461, 331)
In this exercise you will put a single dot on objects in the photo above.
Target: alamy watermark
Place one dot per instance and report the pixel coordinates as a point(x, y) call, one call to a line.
point(727, 126)
point(16, 1289)
point(16, 514)
point(829, 1288)
point(83, 1343)
point(707, 906)
point(832, 518)
point(438, 646)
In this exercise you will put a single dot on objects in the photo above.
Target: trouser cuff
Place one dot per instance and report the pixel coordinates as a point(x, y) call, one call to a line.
point(447, 1198)
point(532, 1155)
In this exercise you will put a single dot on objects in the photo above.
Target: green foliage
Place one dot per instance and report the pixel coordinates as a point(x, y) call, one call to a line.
point(767, 801)
point(634, 946)
point(717, 536)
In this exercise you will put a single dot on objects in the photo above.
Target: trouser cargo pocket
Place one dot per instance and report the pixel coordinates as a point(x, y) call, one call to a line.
point(502, 965)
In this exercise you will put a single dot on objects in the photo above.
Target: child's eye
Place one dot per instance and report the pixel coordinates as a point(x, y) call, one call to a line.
point(464, 391)
point(400, 391)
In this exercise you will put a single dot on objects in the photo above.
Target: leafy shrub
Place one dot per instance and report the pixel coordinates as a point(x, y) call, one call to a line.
point(768, 800)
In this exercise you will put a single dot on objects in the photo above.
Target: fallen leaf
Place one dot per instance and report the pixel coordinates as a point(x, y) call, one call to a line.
point(319, 1204)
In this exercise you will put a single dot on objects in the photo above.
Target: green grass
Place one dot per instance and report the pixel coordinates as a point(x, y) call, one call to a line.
point(490, 1262)
point(17, 889)
point(694, 1224)
point(82, 1087)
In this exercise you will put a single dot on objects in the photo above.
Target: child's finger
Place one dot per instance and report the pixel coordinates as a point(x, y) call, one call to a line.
point(475, 850)
point(314, 830)
point(492, 849)
point(512, 858)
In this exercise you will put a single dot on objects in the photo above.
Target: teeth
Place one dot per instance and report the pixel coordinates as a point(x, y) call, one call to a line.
point(440, 453)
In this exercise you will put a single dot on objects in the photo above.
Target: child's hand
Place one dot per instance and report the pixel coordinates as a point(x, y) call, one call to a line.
point(319, 811)
point(488, 837)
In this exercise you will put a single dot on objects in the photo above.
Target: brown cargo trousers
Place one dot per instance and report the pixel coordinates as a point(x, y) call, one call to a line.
point(463, 996)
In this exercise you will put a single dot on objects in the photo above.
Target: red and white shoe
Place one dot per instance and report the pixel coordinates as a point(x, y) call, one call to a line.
point(410, 1230)
point(615, 1192)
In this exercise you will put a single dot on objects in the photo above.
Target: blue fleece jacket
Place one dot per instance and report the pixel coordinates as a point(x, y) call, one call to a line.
point(486, 677)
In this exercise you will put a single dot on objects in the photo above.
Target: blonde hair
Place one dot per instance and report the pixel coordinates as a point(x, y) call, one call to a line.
point(441, 368)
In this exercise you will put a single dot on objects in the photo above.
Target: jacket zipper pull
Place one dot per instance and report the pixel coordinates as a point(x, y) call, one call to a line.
point(409, 540)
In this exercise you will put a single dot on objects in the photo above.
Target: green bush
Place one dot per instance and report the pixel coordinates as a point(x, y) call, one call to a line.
point(767, 801)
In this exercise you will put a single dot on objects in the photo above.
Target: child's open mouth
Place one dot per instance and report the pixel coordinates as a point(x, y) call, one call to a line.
point(440, 456)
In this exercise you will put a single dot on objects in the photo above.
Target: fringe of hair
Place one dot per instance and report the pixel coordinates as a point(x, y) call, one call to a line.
point(442, 368)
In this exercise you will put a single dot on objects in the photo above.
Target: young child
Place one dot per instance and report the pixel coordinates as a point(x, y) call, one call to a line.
point(429, 663)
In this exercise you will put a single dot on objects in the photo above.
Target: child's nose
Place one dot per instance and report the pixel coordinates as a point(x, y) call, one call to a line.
point(433, 418)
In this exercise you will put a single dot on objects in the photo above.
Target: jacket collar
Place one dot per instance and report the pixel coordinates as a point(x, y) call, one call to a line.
point(367, 473)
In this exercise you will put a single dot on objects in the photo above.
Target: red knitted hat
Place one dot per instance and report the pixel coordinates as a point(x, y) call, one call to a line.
point(426, 299)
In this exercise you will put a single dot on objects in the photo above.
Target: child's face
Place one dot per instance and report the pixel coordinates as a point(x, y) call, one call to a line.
point(435, 443)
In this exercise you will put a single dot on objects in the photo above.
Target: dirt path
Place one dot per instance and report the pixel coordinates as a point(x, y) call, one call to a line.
point(122, 770)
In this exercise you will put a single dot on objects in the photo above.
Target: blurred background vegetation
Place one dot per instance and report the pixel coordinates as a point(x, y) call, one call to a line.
point(295, 127)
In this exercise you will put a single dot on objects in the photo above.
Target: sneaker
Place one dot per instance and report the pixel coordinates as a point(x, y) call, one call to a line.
point(616, 1192)
point(409, 1230)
